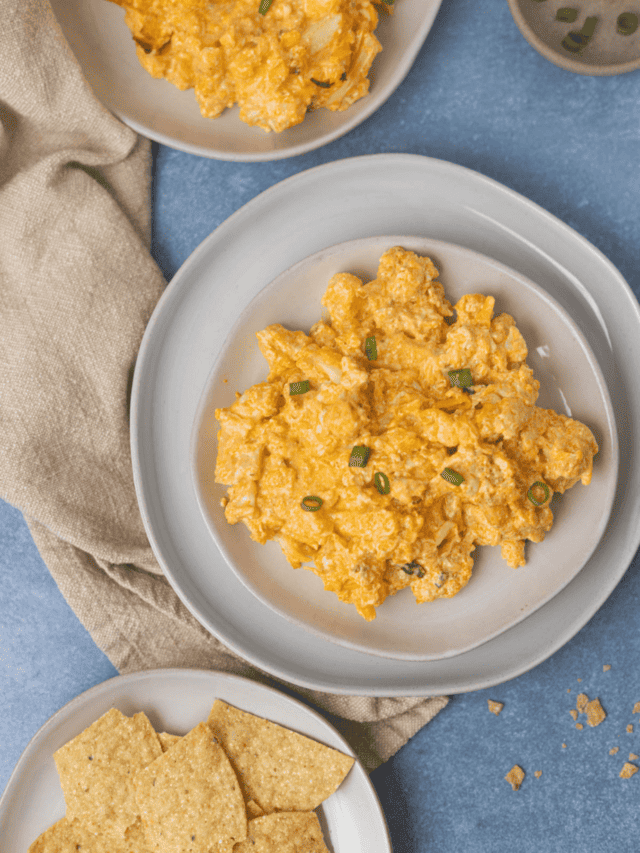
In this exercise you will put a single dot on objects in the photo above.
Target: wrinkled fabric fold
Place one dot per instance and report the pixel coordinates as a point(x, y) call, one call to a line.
point(77, 288)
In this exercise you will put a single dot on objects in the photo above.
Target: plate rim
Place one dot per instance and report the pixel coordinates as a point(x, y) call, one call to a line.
point(474, 181)
point(440, 246)
point(110, 687)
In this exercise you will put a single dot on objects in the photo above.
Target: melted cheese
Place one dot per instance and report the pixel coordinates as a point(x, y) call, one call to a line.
point(297, 57)
point(275, 448)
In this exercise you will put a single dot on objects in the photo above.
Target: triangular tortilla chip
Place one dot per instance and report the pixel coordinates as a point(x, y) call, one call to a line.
point(278, 768)
point(189, 798)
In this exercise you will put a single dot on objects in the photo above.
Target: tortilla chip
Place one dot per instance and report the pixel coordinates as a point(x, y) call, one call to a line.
point(253, 809)
point(278, 768)
point(167, 740)
point(495, 707)
point(628, 770)
point(98, 767)
point(284, 832)
point(70, 836)
point(59, 838)
point(189, 798)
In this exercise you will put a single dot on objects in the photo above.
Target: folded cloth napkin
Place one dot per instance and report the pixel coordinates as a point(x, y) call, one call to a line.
point(77, 287)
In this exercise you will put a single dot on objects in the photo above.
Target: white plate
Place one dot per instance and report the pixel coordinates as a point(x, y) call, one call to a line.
point(103, 46)
point(350, 199)
point(497, 597)
point(175, 700)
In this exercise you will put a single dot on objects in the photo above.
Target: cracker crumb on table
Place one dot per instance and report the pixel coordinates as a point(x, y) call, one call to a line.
point(628, 770)
point(595, 713)
point(515, 776)
point(495, 707)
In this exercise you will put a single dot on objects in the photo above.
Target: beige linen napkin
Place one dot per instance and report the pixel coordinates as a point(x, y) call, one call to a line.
point(77, 287)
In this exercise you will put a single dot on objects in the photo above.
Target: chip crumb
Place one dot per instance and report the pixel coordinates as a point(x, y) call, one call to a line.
point(537, 773)
point(564, 746)
point(574, 713)
point(568, 690)
point(630, 728)
point(495, 707)
point(633, 756)
point(636, 708)
point(606, 667)
point(579, 679)
point(582, 700)
point(515, 776)
point(595, 713)
point(628, 770)
point(579, 726)
point(614, 750)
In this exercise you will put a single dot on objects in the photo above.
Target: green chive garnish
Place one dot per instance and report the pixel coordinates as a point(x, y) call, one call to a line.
point(382, 483)
point(299, 387)
point(452, 477)
point(627, 23)
point(534, 493)
point(311, 503)
point(263, 8)
point(371, 348)
point(359, 456)
point(575, 41)
point(461, 378)
point(566, 15)
point(409, 569)
point(325, 84)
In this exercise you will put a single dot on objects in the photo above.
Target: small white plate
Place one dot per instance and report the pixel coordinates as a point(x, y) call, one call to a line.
point(345, 200)
point(102, 44)
point(497, 597)
point(175, 700)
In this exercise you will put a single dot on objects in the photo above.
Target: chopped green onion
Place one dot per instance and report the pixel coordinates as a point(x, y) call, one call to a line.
point(566, 15)
point(534, 495)
point(452, 477)
point(299, 387)
point(627, 23)
point(575, 41)
point(461, 378)
point(311, 503)
point(382, 483)
point(388, 2)
point(359, 456)
point(263, 8)
point(371, 348)
point(326, 84)
point(408, 568)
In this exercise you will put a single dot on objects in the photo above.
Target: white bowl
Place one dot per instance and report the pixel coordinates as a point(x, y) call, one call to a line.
point(103, 46)
point(604, 53)
point(497, 597)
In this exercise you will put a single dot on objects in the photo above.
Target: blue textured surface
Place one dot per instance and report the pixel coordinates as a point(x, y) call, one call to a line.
point(480, 96)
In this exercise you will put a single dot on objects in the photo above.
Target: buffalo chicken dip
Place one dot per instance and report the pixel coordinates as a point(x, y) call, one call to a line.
point(396, 436)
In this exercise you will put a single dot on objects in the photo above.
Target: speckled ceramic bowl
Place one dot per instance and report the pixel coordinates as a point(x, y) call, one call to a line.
point(594, 37)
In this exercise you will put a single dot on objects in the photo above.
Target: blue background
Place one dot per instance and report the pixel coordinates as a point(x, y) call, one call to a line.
point(480, 96)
